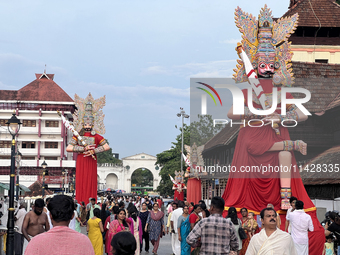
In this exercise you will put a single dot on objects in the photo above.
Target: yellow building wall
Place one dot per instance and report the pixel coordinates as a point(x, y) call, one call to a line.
point(309, 53)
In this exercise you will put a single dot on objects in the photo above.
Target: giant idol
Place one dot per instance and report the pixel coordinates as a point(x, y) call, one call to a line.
point(265, 62)
point(86, 141)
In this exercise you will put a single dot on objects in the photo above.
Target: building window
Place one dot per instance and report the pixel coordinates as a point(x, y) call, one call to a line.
point(325, 61)
point(29, 123)
point(5, 144)
point(28, 145)
point(51, 145)
point(28, 158)
point(51, 123)
point(51, 158)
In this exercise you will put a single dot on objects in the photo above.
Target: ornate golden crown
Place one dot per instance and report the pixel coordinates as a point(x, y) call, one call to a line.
point(267, 38)
point(89, 111)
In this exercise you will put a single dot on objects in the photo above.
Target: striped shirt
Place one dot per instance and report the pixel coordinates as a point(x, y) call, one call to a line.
point(218, 235)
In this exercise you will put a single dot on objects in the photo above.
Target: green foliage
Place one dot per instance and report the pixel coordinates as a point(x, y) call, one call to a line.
point(142, 178)
point(170, 161)
point(203, 130)
point(338, 1)
point(107, 157)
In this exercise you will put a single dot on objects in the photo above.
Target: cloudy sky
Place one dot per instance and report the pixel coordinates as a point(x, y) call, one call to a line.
point(140, 54)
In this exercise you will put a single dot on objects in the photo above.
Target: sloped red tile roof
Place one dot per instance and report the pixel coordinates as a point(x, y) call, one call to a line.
point(328, 173)
point(322, 80)
point(327, 11)
point(224, 137)
point(36, 190)
point(41, 89)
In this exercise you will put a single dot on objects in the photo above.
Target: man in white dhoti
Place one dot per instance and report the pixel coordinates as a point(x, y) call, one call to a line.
point(301, 223)
point(271, 240)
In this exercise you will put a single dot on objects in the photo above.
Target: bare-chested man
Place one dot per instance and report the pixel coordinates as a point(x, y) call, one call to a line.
point(35, 222)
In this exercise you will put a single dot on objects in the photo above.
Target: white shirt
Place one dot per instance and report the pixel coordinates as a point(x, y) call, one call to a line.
point(301, 222)
point(174, 217)
point(20, 219)
point(72, 224)
point(278, 243)
point(289, 226)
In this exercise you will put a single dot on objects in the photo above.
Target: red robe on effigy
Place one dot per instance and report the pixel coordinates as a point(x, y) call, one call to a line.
point(179, 195)
point(194, 193)
point(86, 170)
point(254, 190)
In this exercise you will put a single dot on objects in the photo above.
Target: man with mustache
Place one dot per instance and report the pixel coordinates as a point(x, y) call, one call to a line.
point(35, 222)
point(271, 240)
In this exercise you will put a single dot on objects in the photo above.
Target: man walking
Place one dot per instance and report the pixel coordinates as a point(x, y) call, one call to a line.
point(61, 239)
point(18, 236)
point(301, 223)
point(271, 240)
point(218, 235)
point(173, 221)
point(35, 222)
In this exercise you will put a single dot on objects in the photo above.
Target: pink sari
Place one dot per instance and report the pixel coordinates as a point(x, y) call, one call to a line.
point(116, 227)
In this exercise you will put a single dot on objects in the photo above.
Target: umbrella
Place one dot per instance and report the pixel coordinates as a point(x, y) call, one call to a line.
point(120, 191)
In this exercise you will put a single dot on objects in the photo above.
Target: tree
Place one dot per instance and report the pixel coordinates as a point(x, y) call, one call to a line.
point(142, 177)
point(170, 161)
point(338, 1)
point(201, 132)
point(107, 157)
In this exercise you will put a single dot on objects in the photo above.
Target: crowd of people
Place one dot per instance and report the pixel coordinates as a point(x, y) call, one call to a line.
point(127, 225)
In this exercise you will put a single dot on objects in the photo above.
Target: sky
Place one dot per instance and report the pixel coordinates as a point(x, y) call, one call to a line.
point(140, 54)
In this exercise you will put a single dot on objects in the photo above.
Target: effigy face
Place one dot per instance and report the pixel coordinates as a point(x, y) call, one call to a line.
point(265, 67)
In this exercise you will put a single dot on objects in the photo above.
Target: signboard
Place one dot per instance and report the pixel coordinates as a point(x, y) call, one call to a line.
point(49, 179)
point(217, 181)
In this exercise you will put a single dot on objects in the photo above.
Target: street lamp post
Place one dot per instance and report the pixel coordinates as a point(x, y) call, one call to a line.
point(13, 127)
point(62, 173)
point(18, 161)
point(44, 165)
point(184, 115)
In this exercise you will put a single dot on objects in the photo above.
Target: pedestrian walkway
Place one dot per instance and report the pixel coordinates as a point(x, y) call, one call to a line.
point(164, 245)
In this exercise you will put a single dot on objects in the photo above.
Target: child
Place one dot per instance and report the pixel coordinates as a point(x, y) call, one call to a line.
point(252, 224)
point(329, 246)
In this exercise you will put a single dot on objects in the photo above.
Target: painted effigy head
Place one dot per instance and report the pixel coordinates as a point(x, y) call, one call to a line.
point(266, 44)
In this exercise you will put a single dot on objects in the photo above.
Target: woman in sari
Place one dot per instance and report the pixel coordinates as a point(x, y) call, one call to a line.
point(245, 223)
point(120, 224)
point(184, 230)
point(156, 222)
point(232, 215)
point(137, 227)
point(83, 213)
point(193, 219)
point(114, 211)
point(95, 230)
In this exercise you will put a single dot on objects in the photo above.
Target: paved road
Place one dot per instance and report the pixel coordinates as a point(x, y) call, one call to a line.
point(164, 245)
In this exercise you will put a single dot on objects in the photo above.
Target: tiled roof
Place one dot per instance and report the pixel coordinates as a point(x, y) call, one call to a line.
point(224, 137)
point(41, 89)
point(322, 80)
point(327, 11)
point(323, 169)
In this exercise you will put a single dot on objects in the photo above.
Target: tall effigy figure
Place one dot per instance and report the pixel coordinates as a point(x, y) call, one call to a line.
point(88, 121)
point(266, 55)
point(195, 159)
